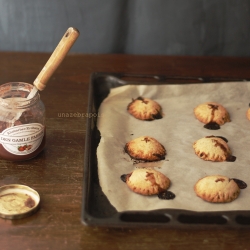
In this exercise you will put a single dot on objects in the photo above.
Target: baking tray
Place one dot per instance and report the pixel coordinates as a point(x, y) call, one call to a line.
point(97, 210)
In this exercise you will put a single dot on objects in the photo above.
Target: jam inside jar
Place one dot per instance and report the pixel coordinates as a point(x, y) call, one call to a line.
point(22, 122)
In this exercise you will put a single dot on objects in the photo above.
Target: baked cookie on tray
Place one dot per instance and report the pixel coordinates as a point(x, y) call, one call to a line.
point(145, 109)
point(212, 114)
point(145, 149)
point(248, 113)
point(146, 181)
point(213, 148)
point(217, 189)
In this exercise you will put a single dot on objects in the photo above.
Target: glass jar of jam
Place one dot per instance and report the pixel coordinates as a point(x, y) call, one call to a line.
point(22, 122)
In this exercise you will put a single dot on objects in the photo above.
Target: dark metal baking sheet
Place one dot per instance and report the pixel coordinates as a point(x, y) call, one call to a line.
point(97, 210)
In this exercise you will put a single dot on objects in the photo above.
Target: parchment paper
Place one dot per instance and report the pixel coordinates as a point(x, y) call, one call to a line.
point(176, 131)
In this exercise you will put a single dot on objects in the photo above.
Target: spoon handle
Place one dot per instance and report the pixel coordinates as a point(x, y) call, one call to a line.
point(56, 58)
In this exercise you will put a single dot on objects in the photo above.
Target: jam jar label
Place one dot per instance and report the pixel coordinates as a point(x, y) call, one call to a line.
point(23, 139)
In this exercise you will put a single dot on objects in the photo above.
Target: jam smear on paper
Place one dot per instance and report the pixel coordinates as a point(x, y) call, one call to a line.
point(166, 195)
point(212, 126)
point(241, 184)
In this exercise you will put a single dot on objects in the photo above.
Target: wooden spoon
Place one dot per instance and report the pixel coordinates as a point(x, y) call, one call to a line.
point(52, 64)
point(55, 60)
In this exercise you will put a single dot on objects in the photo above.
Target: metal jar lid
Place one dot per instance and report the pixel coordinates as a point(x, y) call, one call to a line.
point(18, 201)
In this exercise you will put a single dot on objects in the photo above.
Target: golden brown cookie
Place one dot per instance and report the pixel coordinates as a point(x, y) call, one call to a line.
point(213, 148)
point(146, 149)
point(147, 181)
point(145, 109)
point(211, 112)
point(217, 189)
point(248, 113)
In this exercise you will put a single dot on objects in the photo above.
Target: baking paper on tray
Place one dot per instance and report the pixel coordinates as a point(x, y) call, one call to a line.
point(176, 131)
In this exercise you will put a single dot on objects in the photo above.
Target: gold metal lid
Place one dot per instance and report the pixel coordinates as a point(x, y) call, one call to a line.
point(18, 201)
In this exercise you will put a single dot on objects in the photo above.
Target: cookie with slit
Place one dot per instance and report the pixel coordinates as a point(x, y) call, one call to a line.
point(248, 113)
point(217, 189)
point(147, 181)
point(213, 148)
point(145, 109)
point(145, 149)
point(211, 112)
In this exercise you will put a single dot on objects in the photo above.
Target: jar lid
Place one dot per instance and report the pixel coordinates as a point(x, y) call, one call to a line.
point(18, 201)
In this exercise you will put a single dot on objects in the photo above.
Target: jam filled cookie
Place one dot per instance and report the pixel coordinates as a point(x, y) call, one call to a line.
point(213, 148)
point(217, 189)
point(145, 109)
point(212, 114)
point(248, 113)
point(146, 149)
point(146, 181)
